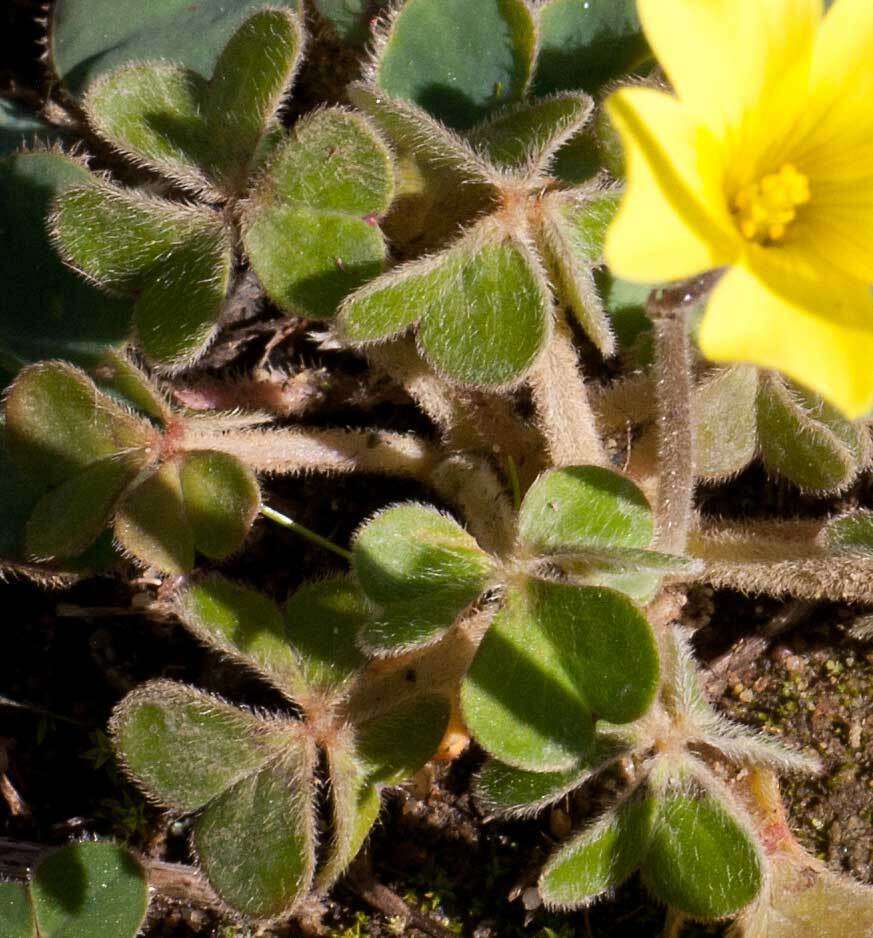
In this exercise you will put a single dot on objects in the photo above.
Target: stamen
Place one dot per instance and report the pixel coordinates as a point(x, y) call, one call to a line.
point(764, 210)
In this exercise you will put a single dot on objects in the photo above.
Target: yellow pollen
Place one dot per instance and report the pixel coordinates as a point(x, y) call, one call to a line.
point(764, 210)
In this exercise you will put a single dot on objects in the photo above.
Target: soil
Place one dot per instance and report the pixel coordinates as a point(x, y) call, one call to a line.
point(68, 657)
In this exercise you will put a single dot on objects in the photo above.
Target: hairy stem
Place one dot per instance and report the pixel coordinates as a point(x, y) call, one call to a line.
point(292, 451)
point(675, 502)
point(561, 398)
point(625, 402)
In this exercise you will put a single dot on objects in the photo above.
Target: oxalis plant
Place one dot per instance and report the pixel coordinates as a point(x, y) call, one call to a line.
point(439, 225)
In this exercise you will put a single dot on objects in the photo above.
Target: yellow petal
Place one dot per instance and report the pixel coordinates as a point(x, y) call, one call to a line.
point(673, 221)
point(838, 228)
point(747, 321)
point(726, 58)
point(841, 118)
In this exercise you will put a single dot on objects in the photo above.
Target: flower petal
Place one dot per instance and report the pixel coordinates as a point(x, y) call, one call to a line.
point(747, 320)
point(841, 138)
point(725, 57)
point(673, 221)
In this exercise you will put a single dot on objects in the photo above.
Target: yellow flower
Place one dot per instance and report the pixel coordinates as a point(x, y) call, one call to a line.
point(761, 163)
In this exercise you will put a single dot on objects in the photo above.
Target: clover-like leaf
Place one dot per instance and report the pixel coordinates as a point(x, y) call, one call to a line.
point(700, 860)
point(89, 890)
point(556, 658)
point(584, 45)
point(601, 857)
point(323, 619)
point(245, 624)
point(806, 440)
point(194, 35)
point(483, 307)
point(250, 779)
point(203, 134)
point(458, 61)
point(725, 422)
point(175, 258)
point(573, 230)
point(46, 310)
point(420, 569)
point(311, 229)
point(396, 744)
point(584, 507)
point(523, 137)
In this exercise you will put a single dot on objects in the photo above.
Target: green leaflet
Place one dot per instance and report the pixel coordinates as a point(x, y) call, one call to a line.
point(323, 619)
point(573, 232)
point(700, 860)
point(420, 569)
point(524, 136)
point(88, 38)
point(457, 60)
point(273, 808)
point(396, 744)
point(556, 658)
point(585, 507)
point(851, 533)
point(16, 912)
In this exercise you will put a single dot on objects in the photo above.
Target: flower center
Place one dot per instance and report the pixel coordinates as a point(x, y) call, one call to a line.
point(765, 209)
